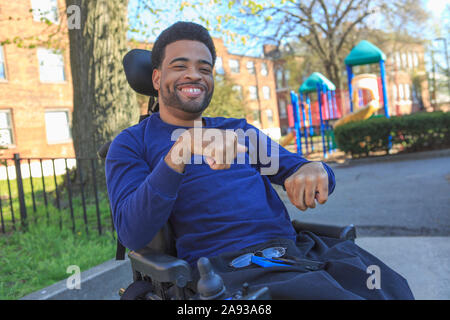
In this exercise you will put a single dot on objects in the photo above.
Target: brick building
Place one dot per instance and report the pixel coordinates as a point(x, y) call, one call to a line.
point(255, 81)
point(282, 77)
point(406, 78)
point(36, 86)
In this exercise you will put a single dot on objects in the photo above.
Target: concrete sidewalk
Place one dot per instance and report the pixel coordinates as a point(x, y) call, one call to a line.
point(423, 261)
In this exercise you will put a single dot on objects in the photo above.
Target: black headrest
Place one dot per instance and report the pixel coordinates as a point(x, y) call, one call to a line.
point(137, 64)
point(103, 151)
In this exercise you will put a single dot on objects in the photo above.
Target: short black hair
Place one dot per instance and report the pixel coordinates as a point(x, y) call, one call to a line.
point(181, 30)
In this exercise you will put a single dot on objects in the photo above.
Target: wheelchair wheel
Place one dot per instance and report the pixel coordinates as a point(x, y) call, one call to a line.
point(137, 290)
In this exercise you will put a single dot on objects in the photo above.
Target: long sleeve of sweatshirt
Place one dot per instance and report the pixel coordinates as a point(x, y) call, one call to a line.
point(145, 192)
point(278, 163)
point(141, 200)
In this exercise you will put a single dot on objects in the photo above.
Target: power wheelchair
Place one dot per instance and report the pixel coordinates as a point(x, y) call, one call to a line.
point(157, 273)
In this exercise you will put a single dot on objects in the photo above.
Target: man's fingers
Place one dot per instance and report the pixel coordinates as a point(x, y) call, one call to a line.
point(213, 164)
point(210, 161)
point(322, 192)
point(308, 184)
point(300, 199)
point(310, 200)
point(241, 148)
point(220, 166)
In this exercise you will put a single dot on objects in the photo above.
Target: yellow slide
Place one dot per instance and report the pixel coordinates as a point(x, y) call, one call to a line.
point(360, 114)
point(365, 82)
point(288, 139)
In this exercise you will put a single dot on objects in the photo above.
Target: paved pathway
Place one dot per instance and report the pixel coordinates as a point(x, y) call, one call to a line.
point(391, 198)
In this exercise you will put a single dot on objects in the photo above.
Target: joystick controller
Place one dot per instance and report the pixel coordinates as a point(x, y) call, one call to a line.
point(210, 285)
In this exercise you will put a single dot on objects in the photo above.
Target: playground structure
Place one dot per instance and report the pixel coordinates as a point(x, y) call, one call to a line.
point(366, 53)
point(363, 83)
point(367, 94)
point(325, 107)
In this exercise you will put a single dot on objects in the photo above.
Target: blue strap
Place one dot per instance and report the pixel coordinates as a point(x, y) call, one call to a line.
point(264, 262)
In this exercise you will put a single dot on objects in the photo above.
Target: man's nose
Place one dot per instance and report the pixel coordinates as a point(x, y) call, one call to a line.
point(193, 74)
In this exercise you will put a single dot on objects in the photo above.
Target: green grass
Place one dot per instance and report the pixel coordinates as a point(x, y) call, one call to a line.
point(40, 257)
point(37, 256)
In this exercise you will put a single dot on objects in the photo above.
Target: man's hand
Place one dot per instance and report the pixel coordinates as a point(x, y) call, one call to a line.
point(308, 183)
point(220, 148)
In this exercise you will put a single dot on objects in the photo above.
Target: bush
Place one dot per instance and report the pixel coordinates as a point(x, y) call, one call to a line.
point(361, 137)
point(422, 131)
point(415, 132)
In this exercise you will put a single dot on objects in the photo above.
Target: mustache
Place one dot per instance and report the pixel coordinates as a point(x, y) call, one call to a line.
point(191, 83)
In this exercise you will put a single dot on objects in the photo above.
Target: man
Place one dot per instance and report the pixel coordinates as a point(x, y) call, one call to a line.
point(213, 192)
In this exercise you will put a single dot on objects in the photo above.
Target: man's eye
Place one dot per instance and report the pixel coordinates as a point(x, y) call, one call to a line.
point(180, 66)
point(205, 70)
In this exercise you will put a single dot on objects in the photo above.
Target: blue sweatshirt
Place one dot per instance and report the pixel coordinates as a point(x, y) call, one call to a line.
point(210, 211)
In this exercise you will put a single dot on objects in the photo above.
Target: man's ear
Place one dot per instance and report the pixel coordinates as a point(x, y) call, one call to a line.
point(156, 79)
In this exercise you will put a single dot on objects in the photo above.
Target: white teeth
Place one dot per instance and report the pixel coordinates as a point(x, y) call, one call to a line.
point(191, 90)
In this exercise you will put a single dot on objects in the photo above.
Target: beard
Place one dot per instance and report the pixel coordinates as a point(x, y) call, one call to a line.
point(173, 98)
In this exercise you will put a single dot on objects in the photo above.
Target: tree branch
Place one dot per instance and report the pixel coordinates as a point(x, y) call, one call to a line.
point(347, 32)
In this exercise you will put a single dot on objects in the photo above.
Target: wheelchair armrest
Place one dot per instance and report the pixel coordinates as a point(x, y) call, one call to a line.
point(160, 267)
point(343, 233)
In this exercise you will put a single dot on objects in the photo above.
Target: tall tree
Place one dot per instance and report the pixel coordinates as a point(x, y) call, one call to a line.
point(103, 102)
point(325, 27)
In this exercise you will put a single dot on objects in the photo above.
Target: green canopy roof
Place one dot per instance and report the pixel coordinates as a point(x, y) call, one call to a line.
point(310, 85)
point(364, 53)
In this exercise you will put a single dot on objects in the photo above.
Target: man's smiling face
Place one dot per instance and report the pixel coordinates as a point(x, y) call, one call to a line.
point(185, 79)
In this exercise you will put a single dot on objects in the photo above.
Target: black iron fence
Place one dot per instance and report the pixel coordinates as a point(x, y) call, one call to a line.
point(68, 192)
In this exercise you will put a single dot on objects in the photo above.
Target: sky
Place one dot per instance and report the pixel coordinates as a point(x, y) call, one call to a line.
point(437, 7)
point(168, 16)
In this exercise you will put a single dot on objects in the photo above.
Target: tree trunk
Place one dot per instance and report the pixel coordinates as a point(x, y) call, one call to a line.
point(103, 102)
point(333, 68)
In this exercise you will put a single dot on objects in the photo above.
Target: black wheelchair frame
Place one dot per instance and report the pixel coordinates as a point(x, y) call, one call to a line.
point(157, 272)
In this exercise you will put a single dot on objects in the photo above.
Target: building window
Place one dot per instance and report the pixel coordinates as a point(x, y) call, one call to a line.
point(279, 78)
point(253, 92)
point(398, 60)
point(269, 115)
point(266, 92)
point(415, 59)
point(282, 105)
point(410, 60)
point(57, 126)
point(234, 65)
point(219, 66)
point(51, 65)
point(2, 65)
point(264, 70)
point(44, 10)
point(6, 132)
point(287, 76)
point(407, 92)
point(256, 117)
point(401, 93)
point(238, 90)
point(251, 67)
point(394, 92)
point(404, 60)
